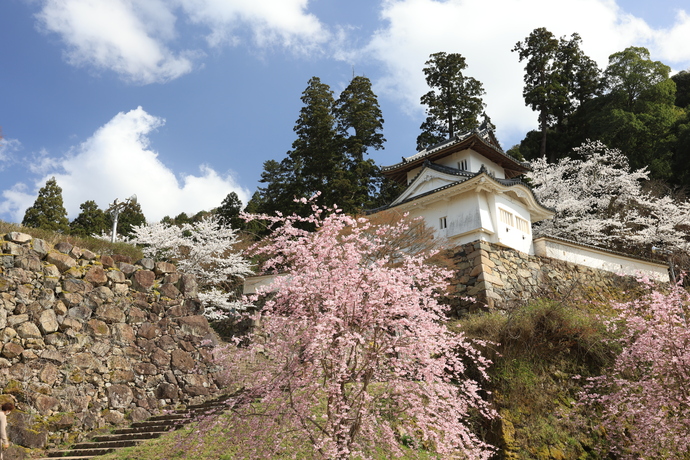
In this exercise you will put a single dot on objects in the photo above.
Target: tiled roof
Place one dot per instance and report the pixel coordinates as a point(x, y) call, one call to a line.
point(463, 176)
point(485, 135)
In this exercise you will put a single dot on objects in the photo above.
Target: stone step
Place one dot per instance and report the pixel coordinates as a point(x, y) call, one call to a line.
point(144, 429)
point(69, 457)
point(139, 432)
point(133, 435)
point(111, 444)
point(79, 453)
point(159, 423)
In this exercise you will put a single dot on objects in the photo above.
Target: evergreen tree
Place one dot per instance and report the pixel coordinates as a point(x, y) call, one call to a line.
point(544, 91)
point(131, 216)
point(359, 122)
point(182, 218)
point(316, 153)
point(91, 220)
point(314, 160)
point(454, 103)
point(229, 212)
point(48, 211)
point(559, 78)
point(631, 73)
point(329, 154)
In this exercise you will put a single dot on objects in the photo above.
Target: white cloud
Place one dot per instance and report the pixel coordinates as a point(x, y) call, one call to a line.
point(116, 162)
point(485, 31)
point(119, 35)
point(272, 22)
point(8, 149)
point(132, 38)
point(671, 44)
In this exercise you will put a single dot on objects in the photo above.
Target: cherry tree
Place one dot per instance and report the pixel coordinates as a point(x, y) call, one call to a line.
point(599, 200)
point(204, 249)
point(354, 353)
point(645, 396)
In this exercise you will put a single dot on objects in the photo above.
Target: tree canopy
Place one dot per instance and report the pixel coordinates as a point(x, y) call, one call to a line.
point(92, 220)
point(558, 78)
point(329, 154)
point(599, 199)
point(357, 350)
point(229, 211)
point(454, 103)
point(48, 211)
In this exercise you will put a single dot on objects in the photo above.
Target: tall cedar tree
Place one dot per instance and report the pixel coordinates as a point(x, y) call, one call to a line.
point(359, 122)
point(558, 78)
point(328, 155)
point(48, 211)
point(454, 103)
point(91, 220)
point(681, 155)
point(314, 162)
point(542, 91)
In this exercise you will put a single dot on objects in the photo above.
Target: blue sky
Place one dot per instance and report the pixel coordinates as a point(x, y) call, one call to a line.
point(181, 101)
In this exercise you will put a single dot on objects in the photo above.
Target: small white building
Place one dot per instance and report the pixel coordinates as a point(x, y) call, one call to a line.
point(467, 189)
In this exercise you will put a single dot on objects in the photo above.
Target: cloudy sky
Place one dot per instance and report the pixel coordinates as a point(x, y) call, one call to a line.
point(181, 101)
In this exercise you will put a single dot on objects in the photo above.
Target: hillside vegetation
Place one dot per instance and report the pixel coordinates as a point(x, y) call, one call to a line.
point(537, 351)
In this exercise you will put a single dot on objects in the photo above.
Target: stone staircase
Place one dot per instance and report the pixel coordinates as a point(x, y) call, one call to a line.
point(139, 432)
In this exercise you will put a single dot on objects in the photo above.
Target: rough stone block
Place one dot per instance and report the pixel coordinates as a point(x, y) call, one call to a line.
point(163, 268)
point(195, 325)
point(96, 276)
point(119, 396)
point(182, 360)
point(62, 261)
point(122, 333)
point(143, 280)
point(18, 237)
point(148, 331)
point(98, 328)
point(12, 350)
point(48, 321)
point(28, 330)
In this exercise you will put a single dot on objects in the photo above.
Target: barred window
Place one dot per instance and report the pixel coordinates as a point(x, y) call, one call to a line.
point(522, 224)
point(506, 217)
point(442, 223)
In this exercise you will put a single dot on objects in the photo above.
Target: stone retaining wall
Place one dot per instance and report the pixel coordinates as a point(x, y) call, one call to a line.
point(88, 341)
point(497, 277)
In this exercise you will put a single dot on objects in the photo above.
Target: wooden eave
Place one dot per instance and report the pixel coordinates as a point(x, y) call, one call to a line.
point(512, 167)
point(482, 182)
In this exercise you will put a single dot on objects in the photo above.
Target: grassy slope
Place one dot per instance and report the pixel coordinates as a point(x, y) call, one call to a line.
point(542, 346)
point(92, 244)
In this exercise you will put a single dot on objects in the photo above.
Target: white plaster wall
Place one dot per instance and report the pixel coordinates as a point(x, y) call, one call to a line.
point(474, 162)
point(464, 213)
point(590, 257)
point(253, 283)
point(507, 235)
point(477, 160)
point(412, 174)
point(432, 183)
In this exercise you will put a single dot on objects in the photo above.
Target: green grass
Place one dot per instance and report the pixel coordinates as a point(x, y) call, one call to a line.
point(539, 349)
point(92, 244)
point(225, 444)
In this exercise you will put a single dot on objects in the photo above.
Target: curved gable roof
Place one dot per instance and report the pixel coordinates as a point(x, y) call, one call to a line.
point(471, 181)
point(481, 141)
